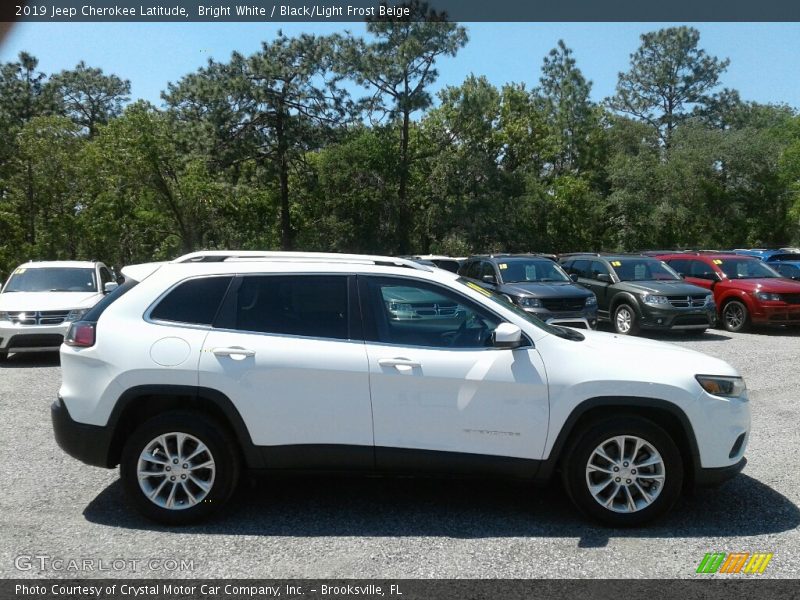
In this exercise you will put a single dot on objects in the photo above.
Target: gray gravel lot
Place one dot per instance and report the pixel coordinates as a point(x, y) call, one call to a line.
point(55, 506)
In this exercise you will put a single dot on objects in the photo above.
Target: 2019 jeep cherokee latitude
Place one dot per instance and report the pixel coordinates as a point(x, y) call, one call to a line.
point(195, 369)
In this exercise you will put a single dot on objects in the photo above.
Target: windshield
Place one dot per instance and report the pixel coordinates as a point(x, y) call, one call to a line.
point(55, 279)
point(563, 332)
point(745, 268)
point(520, 271)
point(643, 269)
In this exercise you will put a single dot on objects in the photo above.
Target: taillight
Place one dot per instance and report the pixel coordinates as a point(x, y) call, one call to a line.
point(80, 334)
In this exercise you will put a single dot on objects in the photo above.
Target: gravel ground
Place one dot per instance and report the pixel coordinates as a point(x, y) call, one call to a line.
point(302, 528)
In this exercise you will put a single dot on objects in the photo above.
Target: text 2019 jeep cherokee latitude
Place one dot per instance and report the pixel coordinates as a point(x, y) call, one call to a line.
point(195, 369)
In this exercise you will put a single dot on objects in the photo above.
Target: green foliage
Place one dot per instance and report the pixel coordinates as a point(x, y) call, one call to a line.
point(268, 151)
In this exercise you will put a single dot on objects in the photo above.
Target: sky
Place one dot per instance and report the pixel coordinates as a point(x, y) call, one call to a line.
point(765, 57)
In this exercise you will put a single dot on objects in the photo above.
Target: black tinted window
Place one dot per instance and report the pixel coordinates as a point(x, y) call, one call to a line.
point(409, 313)
point(195, 301)
point(680, 265)
point(581, 268)
point(597, 268)
point(307, 305)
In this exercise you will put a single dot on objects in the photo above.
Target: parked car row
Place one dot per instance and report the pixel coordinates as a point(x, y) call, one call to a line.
point(655, 290)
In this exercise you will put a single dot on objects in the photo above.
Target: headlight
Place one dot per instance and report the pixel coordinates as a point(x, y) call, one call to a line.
point(591, 300)
point(529, 302)
point(76, 314)
point(656, 300)
point(710, 299)
point(768, 296)
point(720, 385)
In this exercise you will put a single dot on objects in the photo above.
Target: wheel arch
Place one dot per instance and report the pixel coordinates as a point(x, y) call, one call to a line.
point(664, 414)
point(624, 298)
point(138, 404)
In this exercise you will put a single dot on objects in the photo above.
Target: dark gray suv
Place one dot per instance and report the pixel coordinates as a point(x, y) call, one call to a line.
point(536, 284)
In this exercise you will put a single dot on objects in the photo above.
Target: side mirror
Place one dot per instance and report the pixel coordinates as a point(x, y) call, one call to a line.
point(604, 277)
point(110, 286)
point(574, 277)
point(489, 279)
point(507, 336)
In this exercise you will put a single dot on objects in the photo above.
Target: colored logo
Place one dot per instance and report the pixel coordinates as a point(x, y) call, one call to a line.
point(735, 562)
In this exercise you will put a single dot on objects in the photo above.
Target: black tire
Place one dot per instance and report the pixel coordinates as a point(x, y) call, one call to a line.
point(735, 316)
point(633, 328)
point(576, 478)
point(221, 447)
point(3, 357)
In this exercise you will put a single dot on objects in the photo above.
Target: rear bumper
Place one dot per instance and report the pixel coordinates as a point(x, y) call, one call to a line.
point(712, 477)
point(88, 443)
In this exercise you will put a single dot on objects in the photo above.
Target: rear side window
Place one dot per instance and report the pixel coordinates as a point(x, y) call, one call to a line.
point(195, 301)
point(305, 305)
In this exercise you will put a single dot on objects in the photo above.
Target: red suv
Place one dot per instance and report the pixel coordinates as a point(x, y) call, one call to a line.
point(745, 289)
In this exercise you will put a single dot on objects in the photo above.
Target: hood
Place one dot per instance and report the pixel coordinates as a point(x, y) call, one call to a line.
point(777, 285)
point(626, 351)
point(666, 288)
point(38, 301)
point(550, 289)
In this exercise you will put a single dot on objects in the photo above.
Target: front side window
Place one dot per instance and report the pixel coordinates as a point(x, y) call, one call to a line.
point(702, 270)
point(304, 305)
point(195, 301)
point(52, 279)
point(410, 313)
point(597, 268)
point(581, 268)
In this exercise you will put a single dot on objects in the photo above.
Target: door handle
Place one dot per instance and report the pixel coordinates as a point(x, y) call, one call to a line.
point(234, 352)
point(401, 364)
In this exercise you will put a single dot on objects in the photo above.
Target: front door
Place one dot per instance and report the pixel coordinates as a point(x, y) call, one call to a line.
point(443, 397)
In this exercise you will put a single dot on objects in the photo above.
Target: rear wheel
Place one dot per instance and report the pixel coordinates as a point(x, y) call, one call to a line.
point(735, 317)
point(179, 467)
point(625, 320)
point(623, 471)
point(3, 356)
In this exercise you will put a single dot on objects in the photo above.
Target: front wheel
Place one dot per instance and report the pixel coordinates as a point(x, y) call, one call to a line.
point(179, 467)
point(625, 320)
point(623, 471)
point(735, 317)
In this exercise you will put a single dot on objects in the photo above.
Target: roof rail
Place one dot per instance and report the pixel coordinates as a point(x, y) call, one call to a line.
point(208, 256)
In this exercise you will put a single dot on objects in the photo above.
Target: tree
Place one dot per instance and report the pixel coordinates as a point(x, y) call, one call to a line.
point(399, 64)
point(669, 77)
point(571, 120)
point(89, 97)
point(272, 107)
point(23, 96)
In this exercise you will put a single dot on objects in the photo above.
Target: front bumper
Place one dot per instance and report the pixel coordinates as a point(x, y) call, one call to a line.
point(712, 477)
point(678, 318)
point(778, 314)
point(582, 319)
point(88, 443)
point(31, 338)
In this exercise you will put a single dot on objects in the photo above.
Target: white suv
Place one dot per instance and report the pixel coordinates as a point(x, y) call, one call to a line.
point(195, 369)
point(41, 299)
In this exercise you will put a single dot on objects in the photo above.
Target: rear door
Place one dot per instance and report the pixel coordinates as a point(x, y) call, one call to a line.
point(288, 352)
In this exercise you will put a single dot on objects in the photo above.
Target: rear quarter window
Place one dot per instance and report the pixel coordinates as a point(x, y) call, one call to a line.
point(195, 301)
